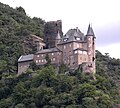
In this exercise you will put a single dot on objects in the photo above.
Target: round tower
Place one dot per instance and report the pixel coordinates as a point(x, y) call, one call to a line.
point(90, 37)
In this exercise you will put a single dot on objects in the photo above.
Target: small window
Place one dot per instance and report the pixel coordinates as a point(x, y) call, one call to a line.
point(70, 45)
point(64, 46)
point(89, 38)
point(89, 46)
point(76, 52)
point(37, 55)
point(39, 61)
point(52, 53)
point(36, 61)
point(80, 52)
point(65, 39)
point(42, 60)
point(77, 38)
point(42, 55)
point(77, 45)
point(53, 59)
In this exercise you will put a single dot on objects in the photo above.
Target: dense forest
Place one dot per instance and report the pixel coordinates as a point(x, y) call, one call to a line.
point(43, 87)
point(15, 26)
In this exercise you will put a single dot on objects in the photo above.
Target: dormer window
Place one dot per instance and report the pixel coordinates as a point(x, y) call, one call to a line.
point(65, 39)
point(78, 38)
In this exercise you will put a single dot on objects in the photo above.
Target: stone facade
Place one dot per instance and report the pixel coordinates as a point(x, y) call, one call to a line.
point(50, 31)
point(73, 49)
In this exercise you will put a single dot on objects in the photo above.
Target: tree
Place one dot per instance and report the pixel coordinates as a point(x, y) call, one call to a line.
point(48, 60)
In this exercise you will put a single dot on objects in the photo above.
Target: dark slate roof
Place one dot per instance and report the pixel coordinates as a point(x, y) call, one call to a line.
point(26, 58)
point(48, 50)
point(72, 34)
point(82, 49)
point(90, 31)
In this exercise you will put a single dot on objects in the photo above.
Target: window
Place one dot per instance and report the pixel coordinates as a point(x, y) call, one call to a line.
point(77, 45)
point(70, 45)
point(52, 53)
point(76, 52)
point(37, 55)
point(80, 52)
point(89, 38)
point(42, 60)
point(77, 38)
point(39, 60)
point(65, 39)
point(36, 61)
point(53, 59)
point(64, 47)
point(89, 46)
point(42, 55)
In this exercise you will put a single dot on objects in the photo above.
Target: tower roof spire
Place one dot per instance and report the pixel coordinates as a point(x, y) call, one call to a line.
point(90, 31)
point(58, 37)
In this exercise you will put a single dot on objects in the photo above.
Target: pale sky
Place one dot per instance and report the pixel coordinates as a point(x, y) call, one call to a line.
point(103, 14)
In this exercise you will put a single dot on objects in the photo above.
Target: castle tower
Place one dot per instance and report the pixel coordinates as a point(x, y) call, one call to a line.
point(51, 32)
point(90, 37)
point(58, 38)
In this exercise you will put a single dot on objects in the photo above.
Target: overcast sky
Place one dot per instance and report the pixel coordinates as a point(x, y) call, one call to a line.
point(103, 14)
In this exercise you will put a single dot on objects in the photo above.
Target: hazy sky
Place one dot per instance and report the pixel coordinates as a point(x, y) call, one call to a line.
point(103, 14)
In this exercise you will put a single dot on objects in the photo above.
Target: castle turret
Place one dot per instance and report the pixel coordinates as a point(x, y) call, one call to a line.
point(58, 38)
point(91, 47)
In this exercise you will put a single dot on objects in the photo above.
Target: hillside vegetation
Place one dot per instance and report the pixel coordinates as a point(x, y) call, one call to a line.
point(15, 25)
point(43, 87)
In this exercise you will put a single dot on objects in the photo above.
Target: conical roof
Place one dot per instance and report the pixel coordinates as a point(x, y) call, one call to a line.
point(58, 37)
point(90, 31)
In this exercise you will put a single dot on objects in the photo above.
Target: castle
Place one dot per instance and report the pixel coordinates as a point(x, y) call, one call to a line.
point(73, 49)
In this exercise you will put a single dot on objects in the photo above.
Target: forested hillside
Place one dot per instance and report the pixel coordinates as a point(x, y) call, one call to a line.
point(43, 88)
point(15, 25)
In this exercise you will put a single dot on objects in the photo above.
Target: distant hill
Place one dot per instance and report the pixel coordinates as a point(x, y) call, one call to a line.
point(15, 25)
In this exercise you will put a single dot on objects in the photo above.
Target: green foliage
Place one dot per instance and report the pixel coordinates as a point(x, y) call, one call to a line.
point(45, 88)
point(15, 26)
point(63, 68)
point(48, 60)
